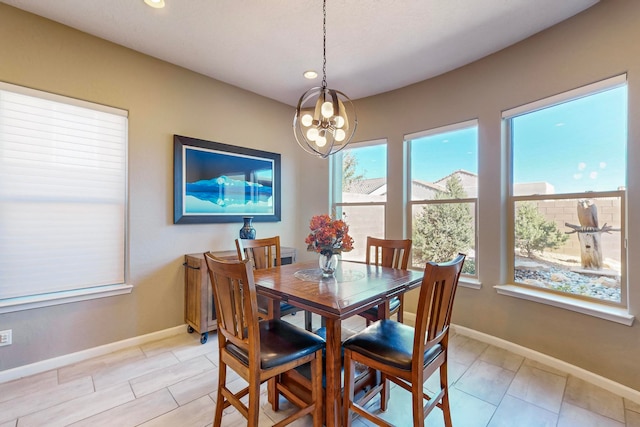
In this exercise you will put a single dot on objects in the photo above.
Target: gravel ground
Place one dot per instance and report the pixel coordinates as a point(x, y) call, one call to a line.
point(603, 285)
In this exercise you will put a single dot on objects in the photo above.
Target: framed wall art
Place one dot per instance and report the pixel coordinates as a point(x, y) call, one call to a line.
point(215, 182)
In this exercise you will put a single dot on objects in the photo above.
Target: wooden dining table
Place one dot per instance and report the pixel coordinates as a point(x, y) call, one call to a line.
point(354, 288)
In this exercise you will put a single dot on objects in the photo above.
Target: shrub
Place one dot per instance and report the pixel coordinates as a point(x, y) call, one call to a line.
point(442, 230)
point(533, 233)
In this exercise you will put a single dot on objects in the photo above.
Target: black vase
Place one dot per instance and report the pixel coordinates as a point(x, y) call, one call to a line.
point(247, 231)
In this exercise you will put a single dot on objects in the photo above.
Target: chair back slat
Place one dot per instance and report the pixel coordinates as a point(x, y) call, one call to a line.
point(262, 253)
point(435, 303)
point(388, 253)
point(235, 296)
point(227, 314)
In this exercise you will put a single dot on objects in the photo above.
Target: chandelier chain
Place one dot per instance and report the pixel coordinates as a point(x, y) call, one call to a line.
point(324, 43)
point(325, 119)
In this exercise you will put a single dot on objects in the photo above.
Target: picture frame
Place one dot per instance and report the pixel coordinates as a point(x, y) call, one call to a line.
point(219, 183)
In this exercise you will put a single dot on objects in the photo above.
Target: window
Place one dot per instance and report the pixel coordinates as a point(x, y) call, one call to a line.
point(567, 204)
point(62, 199)
point(443, 191)
point(360, 192)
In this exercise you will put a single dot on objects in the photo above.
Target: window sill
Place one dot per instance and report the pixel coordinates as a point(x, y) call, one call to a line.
point(469, 282)
point(603, 311)
point(45, 300)
point(464, 281)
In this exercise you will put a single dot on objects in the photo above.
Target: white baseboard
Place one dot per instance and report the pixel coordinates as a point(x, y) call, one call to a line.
point(67, 359)
point(590, 377)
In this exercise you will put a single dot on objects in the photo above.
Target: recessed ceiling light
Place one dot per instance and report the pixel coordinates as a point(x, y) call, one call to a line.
point(158, 4)
point(310, 74)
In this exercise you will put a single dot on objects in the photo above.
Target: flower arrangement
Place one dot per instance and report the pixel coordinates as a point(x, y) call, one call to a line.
point(328, 235)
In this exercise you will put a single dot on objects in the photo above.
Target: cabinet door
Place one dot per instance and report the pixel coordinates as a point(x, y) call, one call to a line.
point(211, 305)
point(192, 293)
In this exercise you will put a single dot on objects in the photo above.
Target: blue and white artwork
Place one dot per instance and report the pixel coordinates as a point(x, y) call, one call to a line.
point(220, 183)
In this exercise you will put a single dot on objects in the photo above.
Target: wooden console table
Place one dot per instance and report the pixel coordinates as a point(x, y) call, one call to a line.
point(199, 308)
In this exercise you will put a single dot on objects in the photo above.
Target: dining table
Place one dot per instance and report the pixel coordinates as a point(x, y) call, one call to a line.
point(354, 288)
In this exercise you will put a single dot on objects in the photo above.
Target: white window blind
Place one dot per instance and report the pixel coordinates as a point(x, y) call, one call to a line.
point(62, 194)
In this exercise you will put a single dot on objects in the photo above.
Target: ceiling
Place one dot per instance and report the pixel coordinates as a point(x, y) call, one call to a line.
point(264, 46)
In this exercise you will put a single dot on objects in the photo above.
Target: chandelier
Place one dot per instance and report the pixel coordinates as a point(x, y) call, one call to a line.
point(325, 119)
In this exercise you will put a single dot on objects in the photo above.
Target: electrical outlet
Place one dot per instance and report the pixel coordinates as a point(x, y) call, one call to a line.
point(5, 337)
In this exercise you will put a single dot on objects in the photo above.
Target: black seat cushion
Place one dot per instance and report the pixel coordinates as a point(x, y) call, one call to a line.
point(280, 342)
point(389, 342)
point(394, 303)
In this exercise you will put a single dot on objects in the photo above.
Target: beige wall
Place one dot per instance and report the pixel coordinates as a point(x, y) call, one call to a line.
point(600, 43)
point(163, 100)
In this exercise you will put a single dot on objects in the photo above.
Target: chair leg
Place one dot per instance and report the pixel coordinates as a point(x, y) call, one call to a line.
point(384, 393)
point(308, 321)
point(273, 392)
point(222, 379)
point(401, 309)
point(444, 384)
point(349, 384)
point(254, 401)
point(316, 392)
point(417, 404)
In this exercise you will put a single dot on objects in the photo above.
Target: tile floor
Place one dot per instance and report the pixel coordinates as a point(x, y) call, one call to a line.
point(172, 383)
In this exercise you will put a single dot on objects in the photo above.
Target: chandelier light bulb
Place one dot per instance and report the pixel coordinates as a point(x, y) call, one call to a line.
point(321, 141)
point(339, 121)
point(340, 135)
point(312, 134)
point(327, 109)
point(306, 120)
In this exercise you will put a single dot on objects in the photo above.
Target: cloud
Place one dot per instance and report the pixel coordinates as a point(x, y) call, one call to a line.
point(593, 175)
point(603, 165)
point(581, 166)
point(577, 175)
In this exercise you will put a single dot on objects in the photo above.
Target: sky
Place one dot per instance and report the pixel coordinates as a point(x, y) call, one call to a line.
point(575, 146)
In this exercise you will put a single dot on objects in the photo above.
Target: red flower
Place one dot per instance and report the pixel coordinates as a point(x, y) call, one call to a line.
point(328, 234)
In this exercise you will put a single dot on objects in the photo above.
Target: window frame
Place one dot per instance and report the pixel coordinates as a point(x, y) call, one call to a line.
point(609, 310)
point(467, 280)
point(336, 182)
point(53, 297)
point(564, 196)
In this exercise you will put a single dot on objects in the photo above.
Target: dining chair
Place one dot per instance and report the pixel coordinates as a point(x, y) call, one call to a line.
point(265, 253)
point(407, 355)
point(258, 350)
point(387, 253)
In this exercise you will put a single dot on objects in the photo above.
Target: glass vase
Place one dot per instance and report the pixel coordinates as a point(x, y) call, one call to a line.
point(328, 262)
